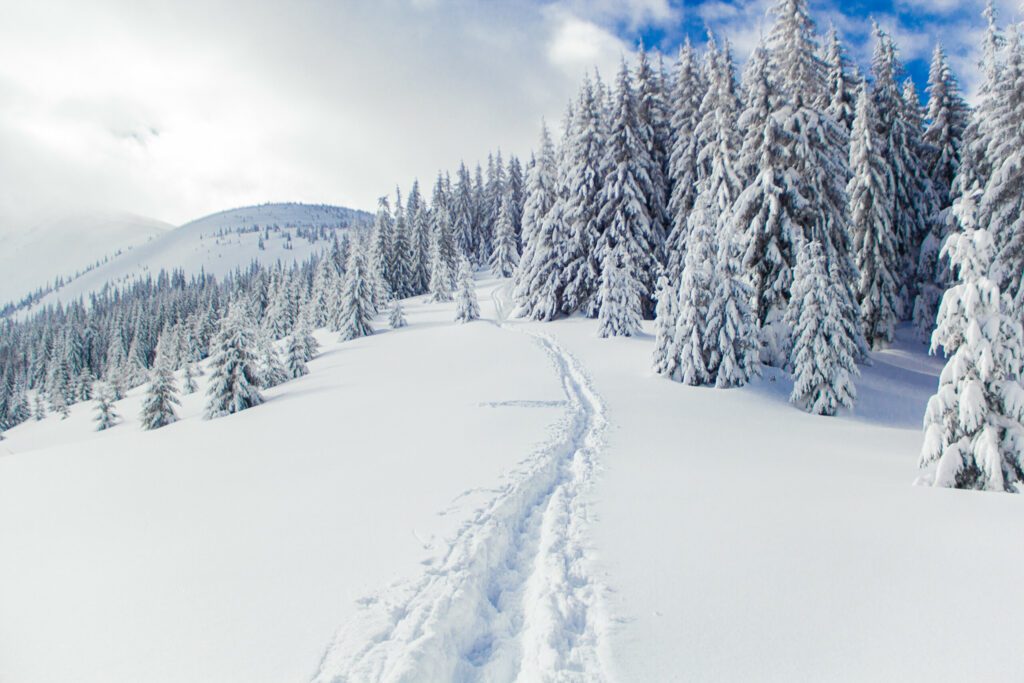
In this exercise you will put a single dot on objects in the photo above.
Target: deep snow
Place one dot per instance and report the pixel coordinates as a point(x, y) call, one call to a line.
point(504, 499)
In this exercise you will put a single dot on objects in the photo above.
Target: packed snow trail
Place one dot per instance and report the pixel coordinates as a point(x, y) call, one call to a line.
point(512, 597)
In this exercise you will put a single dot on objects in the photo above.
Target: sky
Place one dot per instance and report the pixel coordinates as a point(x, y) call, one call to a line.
point(174, 110)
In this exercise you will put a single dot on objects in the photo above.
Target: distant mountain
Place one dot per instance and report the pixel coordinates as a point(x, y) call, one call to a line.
point(218, 244)
point(67, 246)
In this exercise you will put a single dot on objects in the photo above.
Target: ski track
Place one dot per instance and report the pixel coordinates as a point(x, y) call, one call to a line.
point(512, 598)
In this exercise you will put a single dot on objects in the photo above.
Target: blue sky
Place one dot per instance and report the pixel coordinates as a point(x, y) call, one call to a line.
point(175, 110)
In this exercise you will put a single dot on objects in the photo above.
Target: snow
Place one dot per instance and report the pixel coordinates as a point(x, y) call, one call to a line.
point(499, 499)
point(63, 247)
point(201, 245)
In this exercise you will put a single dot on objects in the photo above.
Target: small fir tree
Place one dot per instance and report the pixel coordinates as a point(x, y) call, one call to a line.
point(467, 308)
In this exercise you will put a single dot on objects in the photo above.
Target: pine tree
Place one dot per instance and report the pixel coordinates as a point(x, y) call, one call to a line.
point(161, 397)
point(106, 414)
point(583, 159)
point(39, 411)
point(505, 256)
point(947, 120)
point(271, 371)
point(624, 200)
point(823, 352)
point(357, 298)
point(296, 353)
point(537, 277)
point(871, 190)
point(840, 82)
point(1002, 204)
point(234, 374)
point(914, 202)
point(688, 356)
point(190, 385)
point(974, 438)
point(467, 308)
point(381, 255)
point(310, 346)
point(418, 223)
point(403, 264)
point(665, 326)
point(620, 313)
point(397, 317)
point(690, 88)
point(732, 327)
point(440, 269)
point(653, 128)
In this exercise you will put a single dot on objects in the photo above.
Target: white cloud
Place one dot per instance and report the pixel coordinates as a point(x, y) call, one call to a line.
point(175, 110)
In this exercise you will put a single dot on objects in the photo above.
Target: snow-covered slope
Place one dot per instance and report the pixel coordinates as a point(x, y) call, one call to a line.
point(61, 248)
point(218, 244)
point(503, 499)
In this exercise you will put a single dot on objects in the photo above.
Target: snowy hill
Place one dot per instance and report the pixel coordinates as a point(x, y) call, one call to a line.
point(504, 499)
point(220, 243)
point(61, 248)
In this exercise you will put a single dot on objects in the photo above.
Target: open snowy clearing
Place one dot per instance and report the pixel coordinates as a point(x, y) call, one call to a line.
point(498, 500)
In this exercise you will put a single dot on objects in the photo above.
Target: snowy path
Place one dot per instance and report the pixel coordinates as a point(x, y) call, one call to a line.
point(511, 598)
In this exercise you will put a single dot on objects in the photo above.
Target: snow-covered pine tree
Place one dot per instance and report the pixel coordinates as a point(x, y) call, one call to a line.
point(620, 313)
point(517, 188)
point(687, 358)
point(823, 353)
point(418, 224)
point(914, 203)
point(39, 408)
point(816, 159)
point(463, 212)
point(947, 119)
point(161, 397)
point(271, 370)
point(106, 414)
point(689, 91)
point(296, 357)
point(505, 256)
point(396, 318)
point(974, 438)
point(624, 214)
point(871, 205)
point(381, 254)
point(653, 127)
point(357, 298)
point(664, 327)
point(583, 158)
point(189, 385)
point(841, 82)
point(310, 346)
point(234, 372)
point(467, 309)
point(769, 208)
point(403, 263)
point(1001, 208)
point(440, 270)
point(537, 255)
point(737, 345)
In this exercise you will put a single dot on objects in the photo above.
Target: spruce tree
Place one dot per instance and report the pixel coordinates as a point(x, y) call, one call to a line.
point(106, 414)
point(665, 326)
point(234, 370)
point(381, 256)
point(271, 371)
point(841, 83)
point(396, 318)
point(583, 159)
point(538, 263)
point(653, 127)
point(732, 326)
point(161, 397)
point(403, 262)
point(974, 438)
point(688, 358)
point(189, 385)
point(467, 308)
point(620, 313)
point(947, 119)
point(296, 357)
point(871, 205)
point(690, 88)
point(624, 215)
point(823, 352)
point(505, 256)
point(357, 298)
point(440, 269)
